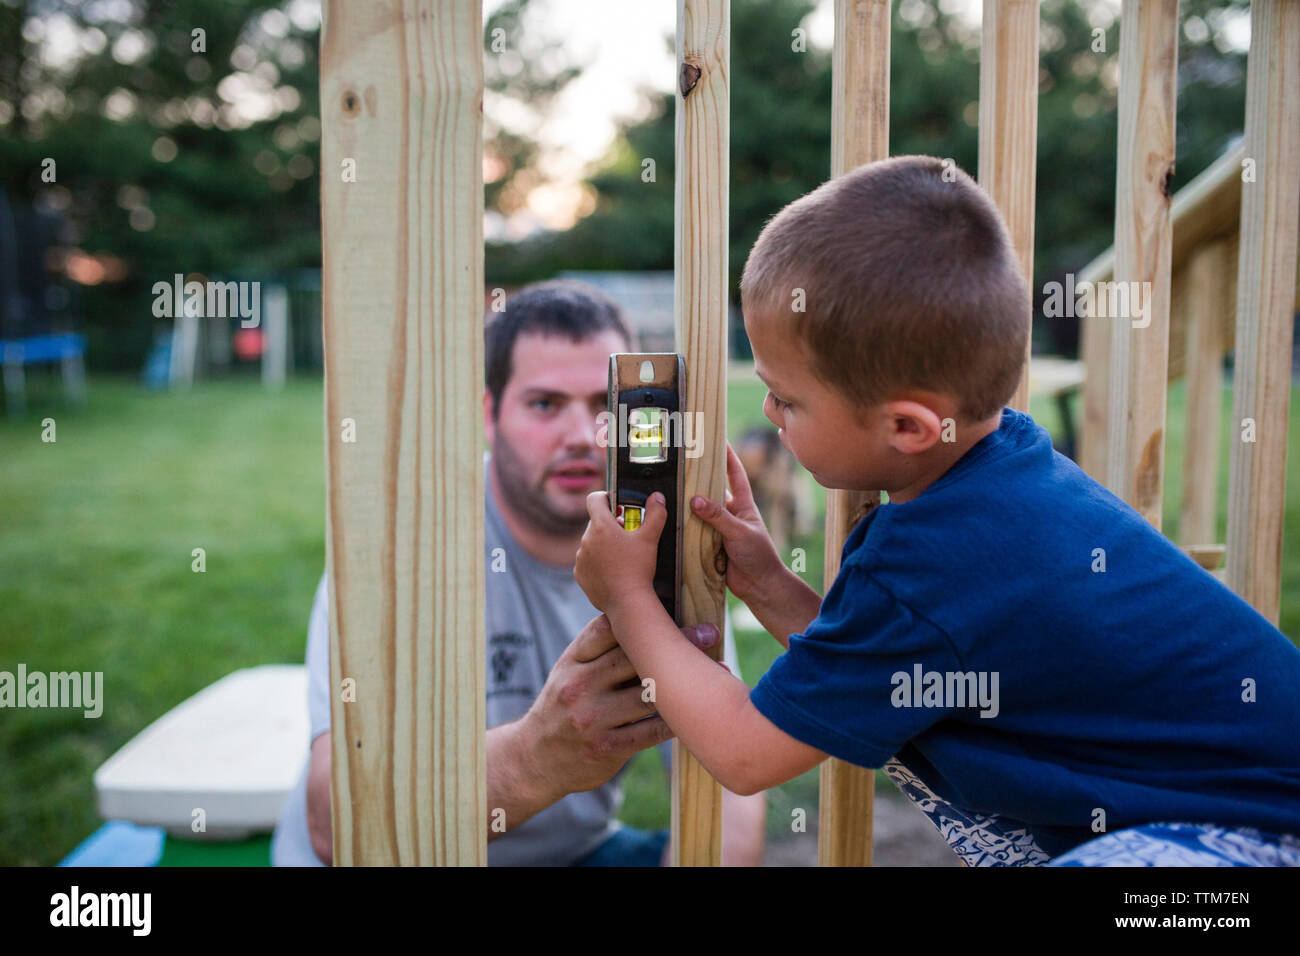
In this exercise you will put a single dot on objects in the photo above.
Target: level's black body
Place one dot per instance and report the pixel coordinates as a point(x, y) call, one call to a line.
point(630, 483)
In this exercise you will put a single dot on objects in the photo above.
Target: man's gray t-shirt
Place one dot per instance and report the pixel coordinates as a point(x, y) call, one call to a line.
point(533, 612)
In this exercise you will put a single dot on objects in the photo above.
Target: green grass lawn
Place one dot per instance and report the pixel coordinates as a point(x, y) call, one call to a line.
point(96, 535)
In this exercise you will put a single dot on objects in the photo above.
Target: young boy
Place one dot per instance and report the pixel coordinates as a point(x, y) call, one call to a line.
point(1027, 657)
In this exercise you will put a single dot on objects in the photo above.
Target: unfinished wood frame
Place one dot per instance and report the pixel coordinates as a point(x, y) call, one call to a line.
point(1203, 210)
point(1234, 237)
point(402, 270)
point(1266, 296)
point(700, 310)
point(404, 482)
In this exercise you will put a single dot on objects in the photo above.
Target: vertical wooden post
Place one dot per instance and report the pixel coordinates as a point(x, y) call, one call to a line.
point(1008, 150)
point(859, 134)
point(1094, 351)
point(700, 309)
point(1266, 286)
point(1207, 280)
point(402, 217)
point(1143, 247)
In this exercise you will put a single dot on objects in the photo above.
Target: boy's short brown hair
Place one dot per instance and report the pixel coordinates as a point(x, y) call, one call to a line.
point(909, 280)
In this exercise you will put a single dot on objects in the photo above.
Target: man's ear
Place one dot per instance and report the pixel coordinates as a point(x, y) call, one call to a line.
point(915, 427)
point(489, 423)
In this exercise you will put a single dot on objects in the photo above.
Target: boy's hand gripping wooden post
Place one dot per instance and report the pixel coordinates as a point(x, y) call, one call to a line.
point(402, 217)
point(700, 309)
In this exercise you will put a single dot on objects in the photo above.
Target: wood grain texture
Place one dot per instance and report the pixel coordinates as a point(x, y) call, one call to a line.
point(1008, 131)
point(860, 84)
point(401, 96)
point(1266, 295)
point(847, 813)
point(859, 134)
point(700, 311)
point(1206, 282)
point(1094, 351)
point(1143, 243)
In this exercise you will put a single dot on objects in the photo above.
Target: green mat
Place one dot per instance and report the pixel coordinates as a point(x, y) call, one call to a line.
point(255, 851)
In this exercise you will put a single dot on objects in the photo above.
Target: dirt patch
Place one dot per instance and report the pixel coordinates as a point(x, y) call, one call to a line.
point(903, 836)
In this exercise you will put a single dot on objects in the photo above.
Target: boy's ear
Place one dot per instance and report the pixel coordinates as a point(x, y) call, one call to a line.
point(915, 427)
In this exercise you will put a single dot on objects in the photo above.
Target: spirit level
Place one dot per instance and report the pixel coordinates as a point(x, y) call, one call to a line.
point(644, 449)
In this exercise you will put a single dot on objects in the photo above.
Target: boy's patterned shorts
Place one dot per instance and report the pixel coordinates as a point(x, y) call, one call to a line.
point(989, 840)
point(1185, 844)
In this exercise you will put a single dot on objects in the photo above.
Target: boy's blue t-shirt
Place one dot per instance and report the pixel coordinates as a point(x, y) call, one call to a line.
point(1122, 683)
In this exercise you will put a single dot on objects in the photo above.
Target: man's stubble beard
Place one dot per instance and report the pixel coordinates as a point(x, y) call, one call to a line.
point(527, 502)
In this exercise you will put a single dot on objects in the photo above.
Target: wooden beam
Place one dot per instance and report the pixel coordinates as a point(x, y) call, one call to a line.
point(1208, 556)
point(859, 134)
point(860, 84)
point(1143, 242)
point(1266, 295)
point(700, 309)
point(1094, 351)
point(1008, 132)
point(1207, 283)
point(402, 246)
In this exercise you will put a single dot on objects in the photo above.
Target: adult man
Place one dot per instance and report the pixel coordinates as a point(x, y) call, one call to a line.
point(564, 704)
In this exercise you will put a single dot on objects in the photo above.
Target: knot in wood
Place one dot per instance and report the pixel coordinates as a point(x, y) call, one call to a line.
point(1146, 484)
point(688, 77)
point(351, 103)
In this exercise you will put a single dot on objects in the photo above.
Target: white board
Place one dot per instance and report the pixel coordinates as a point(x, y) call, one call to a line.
point(235, 750)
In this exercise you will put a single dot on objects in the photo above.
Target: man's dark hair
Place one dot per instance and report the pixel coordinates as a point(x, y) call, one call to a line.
point(559, 307)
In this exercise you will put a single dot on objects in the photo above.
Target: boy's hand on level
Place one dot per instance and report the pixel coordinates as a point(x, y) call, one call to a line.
point(614, 564)
point(751, 556)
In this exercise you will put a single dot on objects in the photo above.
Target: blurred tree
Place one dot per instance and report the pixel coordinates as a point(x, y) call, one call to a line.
point(185, 138)
point(529, 67)
point(186, 135)
point(780, 133)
